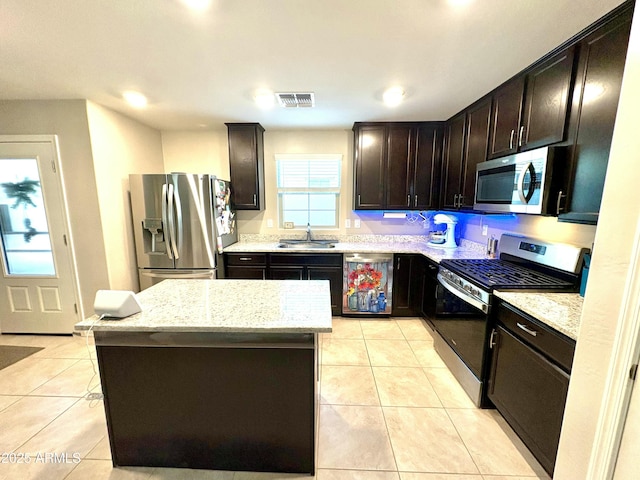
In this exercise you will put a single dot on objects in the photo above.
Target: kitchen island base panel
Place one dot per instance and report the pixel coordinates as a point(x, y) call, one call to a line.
point(217, 407)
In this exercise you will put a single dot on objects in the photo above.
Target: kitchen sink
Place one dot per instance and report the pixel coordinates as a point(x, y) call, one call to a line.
point(304, 244)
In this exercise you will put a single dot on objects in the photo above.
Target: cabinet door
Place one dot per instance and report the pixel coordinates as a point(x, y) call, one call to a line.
point(407, 285)
point(246, 273)
point(369, 167)
point(453, 161)
point(246, 165)
point(286, 273)
point(546, 102)
point(429, 286)
point(601, 60)
point(334, 275)
point(505, 118)
point(399, 162)
point(478, 119)
point(530, 393)
point(426, 172)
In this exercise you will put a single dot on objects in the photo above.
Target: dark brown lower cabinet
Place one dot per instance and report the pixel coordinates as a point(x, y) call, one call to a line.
point(408, 272)
point(211, 401)
point(289, 266)
point(246, 266)
point(528, 388)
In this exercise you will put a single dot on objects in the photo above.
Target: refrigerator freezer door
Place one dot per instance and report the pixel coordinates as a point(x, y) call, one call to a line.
point(150, 223)
point(191, 213)
point(150, 277)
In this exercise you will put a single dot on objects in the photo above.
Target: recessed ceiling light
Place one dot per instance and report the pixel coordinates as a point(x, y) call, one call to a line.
point(459, 3)
point(264, 98)
point(135, 99)
point(199, 5)
point(393, 96)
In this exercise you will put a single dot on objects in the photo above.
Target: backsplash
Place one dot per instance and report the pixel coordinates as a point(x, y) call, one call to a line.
point(269, 238)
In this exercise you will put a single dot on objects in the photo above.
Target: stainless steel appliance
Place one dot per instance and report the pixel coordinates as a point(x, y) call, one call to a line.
point(368, 284)
point(520, 183)
point(464, 299)
point(182, 222)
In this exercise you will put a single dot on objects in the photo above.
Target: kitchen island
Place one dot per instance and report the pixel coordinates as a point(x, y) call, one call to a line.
point(215, 374)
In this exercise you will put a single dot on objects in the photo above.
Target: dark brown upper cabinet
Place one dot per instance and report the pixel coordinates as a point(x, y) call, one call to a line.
point(601, 59)
point(530, 111)
point(246, 165)
point(396, 165)
point(466, 141)
point(370, 152)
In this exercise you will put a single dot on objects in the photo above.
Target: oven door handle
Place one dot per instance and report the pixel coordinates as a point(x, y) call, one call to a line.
point(462, 296)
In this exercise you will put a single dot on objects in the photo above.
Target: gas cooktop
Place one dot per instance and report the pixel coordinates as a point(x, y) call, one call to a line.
point(500, 274)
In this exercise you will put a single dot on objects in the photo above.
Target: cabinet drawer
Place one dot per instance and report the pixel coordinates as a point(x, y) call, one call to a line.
point(306, 259)
point(549, 342)
point(246, 258)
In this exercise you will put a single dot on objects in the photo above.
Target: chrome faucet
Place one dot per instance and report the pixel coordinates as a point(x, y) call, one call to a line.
point(308, 232)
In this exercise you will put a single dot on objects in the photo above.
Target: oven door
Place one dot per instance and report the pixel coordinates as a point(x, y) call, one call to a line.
point(462, 322)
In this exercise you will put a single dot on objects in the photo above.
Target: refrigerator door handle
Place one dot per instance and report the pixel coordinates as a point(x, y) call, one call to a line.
point(209, 274)
point(178, 225)
point(172, 227)
point(165, 221)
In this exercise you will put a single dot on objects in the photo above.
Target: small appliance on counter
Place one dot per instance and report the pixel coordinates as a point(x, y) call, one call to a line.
point(445, 238)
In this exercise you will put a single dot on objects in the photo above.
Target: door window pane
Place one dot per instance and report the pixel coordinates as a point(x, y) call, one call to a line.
point(24, 230)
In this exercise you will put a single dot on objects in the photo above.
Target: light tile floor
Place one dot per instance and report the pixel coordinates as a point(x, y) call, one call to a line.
point(389, 410)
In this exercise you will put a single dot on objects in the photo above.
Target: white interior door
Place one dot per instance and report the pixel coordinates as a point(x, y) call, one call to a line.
point(38, 292)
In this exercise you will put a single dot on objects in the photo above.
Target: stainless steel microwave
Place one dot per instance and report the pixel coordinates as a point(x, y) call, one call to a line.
point(520, 183)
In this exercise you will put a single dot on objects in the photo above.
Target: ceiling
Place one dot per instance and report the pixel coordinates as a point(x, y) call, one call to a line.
point(199, 70)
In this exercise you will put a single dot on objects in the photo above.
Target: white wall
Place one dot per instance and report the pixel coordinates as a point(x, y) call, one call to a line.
point(120, 146)
point(196, 152)
point(68, 120)
point(610, 268)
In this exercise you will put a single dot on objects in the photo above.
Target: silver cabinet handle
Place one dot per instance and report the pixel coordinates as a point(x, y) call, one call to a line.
point(513, 132)
point(520, 135)
point(255, 200)
point(560, 196)
point(359, 202)
point(455, 200)
point(492, 343)
point(245, 259)
point(460, 200)
point(415, 198)
point(531, 332)
point(408, 200)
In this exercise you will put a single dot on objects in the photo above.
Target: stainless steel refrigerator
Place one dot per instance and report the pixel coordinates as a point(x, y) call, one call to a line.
point(182, 222)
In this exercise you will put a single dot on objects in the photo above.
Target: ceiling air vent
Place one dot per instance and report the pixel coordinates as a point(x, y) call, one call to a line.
point(293, 100)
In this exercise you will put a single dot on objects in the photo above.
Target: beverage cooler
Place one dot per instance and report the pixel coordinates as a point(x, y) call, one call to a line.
point(368, 280)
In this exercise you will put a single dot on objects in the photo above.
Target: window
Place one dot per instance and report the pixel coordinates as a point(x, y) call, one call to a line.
point(309, 189)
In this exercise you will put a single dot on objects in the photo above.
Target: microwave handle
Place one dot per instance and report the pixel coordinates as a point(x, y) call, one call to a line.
point(532, 173)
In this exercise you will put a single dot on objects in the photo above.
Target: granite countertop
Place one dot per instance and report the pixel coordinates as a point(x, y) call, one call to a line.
point(560, 311)
point(366, 244)
point(239, 306)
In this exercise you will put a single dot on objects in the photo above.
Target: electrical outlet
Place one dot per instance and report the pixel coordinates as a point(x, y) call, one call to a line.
point(269, 223)
point(356, 223)
point(288, 225)
point(485, 230)
point(347, 223)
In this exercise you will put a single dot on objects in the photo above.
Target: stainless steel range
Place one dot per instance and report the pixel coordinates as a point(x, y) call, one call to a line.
point(464, 297)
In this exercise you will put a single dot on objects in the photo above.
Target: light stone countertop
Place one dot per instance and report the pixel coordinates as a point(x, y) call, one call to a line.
point(465, 250)
point(560, 311)
point(238, 306)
